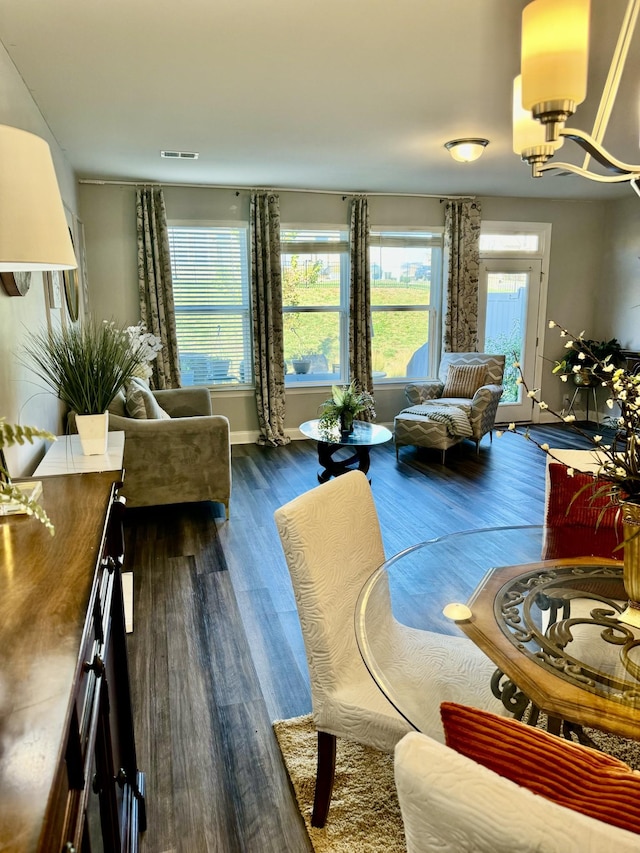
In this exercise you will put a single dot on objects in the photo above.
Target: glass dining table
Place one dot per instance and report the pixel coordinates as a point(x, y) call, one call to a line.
point(551, 627)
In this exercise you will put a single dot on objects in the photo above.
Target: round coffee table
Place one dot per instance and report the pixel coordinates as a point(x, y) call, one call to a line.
point(363, 437)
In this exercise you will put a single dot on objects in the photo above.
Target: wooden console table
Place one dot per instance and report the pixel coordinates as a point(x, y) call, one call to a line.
point(69, 779)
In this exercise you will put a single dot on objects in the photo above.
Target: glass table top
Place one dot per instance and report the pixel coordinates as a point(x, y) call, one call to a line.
point(550, 626)
point(363, 434)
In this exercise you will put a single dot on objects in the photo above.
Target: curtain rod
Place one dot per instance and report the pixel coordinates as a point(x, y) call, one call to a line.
point(237, 190)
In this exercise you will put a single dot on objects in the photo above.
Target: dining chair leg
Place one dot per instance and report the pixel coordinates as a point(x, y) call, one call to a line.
point(324, 778)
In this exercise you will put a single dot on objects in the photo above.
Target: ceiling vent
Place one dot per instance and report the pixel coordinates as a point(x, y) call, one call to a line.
point(180, 155)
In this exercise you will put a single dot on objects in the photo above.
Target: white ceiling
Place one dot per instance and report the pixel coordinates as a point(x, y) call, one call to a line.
point(348, 95)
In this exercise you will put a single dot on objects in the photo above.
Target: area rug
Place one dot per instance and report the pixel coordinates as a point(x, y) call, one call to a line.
point(364, 814)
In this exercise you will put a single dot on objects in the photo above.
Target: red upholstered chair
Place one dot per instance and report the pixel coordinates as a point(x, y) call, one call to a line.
point(584, 527)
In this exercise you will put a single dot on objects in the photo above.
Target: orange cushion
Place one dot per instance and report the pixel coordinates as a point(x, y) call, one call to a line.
point(571, 775)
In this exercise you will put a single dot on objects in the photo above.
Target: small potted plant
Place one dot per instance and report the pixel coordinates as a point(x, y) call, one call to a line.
point(344, 406)
point(20, 497)
point(86, 366)
point(584, 357)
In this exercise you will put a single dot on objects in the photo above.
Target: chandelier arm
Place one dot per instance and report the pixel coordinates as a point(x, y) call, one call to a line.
point(593, 176)
point(601, 155)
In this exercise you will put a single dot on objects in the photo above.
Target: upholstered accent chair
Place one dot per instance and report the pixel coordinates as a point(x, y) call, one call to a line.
point(451, 803)
point(461, 403)
point(332, 542)
point(175, 449)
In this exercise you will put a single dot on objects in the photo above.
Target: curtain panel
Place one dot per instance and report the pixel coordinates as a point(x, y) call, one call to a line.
point(155, 285)
point(360, 361)
point(462, 264)
point(268, 334)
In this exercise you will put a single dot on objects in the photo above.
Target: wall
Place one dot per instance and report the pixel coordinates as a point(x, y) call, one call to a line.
point(21, 400)
point(575, 271)
point(108, 213)
point(619, 286)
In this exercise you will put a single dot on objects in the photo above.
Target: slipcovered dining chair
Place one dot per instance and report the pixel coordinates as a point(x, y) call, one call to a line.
point(332, 542)
point(453, 804)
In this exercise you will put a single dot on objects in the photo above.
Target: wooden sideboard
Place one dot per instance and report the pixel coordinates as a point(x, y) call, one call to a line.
point(69, 779)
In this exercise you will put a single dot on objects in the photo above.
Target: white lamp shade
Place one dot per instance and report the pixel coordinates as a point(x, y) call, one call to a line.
point(34, 234)
point(555, 51)
point(528, 134)
point(466, 150)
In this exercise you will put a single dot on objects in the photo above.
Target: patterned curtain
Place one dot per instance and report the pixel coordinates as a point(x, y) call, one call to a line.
point(155, 286)
point(462, 261)
point(268, 336)
point(360, 366)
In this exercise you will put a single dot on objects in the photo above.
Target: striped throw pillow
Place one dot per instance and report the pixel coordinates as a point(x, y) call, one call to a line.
point(463, 380)
point(571, 775)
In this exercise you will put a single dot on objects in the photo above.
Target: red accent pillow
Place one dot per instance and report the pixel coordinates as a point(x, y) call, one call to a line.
point(571, 775)
point(577, 532)
point(584, 511)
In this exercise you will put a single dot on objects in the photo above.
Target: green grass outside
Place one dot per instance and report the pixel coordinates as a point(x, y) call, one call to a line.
point(397, 335)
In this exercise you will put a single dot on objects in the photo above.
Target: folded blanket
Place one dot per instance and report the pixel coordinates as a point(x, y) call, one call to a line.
point(455, 418)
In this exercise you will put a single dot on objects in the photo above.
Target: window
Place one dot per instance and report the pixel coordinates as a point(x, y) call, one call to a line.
point(315, 304)
point(405, 293)
point(511, 243)
point(210, 269)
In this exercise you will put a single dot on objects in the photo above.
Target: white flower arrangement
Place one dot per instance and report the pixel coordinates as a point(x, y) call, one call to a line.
point(618, 475)
point(147, 345)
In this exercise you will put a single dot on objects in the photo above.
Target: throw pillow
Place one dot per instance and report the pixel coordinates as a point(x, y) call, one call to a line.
point(572, 775)
point(141, 403)
point(585, 509)
point(118, 405)
point(463, 380)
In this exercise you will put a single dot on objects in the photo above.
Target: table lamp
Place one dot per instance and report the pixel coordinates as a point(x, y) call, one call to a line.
point(34, 234)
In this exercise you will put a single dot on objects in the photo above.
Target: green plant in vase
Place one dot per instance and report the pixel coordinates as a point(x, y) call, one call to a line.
point(85, 366)
point(585, 359)
point(12, 495)
point(343, 407)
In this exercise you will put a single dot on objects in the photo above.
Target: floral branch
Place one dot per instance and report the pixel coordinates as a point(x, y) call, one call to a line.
point(618, 462)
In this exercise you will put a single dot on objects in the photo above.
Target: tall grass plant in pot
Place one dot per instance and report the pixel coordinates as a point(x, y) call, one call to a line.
point(85, 366)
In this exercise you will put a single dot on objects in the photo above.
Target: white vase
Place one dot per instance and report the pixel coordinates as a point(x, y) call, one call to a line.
point(94, 433)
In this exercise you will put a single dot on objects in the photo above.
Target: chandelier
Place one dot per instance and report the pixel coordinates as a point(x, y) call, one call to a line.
point(553, 83)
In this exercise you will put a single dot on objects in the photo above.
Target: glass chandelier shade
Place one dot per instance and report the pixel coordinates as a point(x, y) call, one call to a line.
point(529, 141)
point(34, 234)
point(554, 59)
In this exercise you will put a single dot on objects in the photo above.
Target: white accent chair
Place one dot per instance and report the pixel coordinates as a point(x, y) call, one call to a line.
point(413, 426)
point(452, 804)
point(332, 543)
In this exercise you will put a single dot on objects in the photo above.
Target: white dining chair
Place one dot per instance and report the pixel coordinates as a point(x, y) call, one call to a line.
point(452, 804)
point(332, 542)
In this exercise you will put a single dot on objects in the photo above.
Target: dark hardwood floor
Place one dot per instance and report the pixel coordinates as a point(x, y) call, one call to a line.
point(217, 655)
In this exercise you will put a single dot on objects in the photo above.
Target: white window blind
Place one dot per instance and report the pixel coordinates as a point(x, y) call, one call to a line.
point(209, 265)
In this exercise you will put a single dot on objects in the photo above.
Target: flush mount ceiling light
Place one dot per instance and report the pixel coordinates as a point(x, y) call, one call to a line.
point(554, 63)
point(466, 150)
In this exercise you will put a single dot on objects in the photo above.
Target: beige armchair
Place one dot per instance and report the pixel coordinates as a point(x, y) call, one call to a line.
point(182, 459)
point(461, 403)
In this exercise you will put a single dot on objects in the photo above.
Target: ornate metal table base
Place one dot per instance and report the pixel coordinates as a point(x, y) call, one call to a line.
point(522, 708)
point(358, 461)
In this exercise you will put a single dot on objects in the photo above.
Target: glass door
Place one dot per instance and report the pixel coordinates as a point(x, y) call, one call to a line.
point(510, 290)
